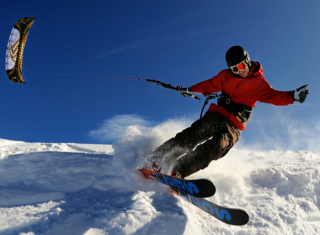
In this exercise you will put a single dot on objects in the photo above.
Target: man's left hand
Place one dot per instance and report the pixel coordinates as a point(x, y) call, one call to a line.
point(300, 94)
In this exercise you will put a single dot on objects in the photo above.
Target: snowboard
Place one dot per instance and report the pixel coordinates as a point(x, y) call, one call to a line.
point(193, 192)
point(196, 187)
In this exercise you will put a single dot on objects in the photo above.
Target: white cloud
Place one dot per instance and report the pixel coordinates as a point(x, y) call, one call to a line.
point(276, 130)
point(281, 130)
point(115, 127)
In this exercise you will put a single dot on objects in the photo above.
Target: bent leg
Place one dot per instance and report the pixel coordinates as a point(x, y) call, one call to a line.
point(213, 149)
point(188, 139)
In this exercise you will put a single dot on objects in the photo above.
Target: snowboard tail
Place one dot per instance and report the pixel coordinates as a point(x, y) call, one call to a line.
point(227, 215)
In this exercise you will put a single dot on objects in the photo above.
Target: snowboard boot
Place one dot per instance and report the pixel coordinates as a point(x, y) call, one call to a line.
point(176, 173)
point(156, 167)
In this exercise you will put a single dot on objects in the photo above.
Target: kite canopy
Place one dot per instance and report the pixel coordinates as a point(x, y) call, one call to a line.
point(15, 49)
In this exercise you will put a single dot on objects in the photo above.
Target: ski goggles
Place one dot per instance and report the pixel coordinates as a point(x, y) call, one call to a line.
point(239, 67)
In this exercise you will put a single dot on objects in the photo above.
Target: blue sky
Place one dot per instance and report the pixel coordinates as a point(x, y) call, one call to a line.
point(177, 42)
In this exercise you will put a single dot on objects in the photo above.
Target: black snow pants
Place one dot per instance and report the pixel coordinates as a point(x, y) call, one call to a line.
point(191, 150)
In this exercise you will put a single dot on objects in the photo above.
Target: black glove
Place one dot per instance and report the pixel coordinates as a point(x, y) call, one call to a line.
point(206, 93)
point(300, 94)
point(183, 90)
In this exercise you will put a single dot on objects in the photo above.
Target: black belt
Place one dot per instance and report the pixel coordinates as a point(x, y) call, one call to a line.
point(241, 111)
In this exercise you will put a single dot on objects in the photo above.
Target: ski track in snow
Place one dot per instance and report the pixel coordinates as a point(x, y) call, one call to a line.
point(50, 189)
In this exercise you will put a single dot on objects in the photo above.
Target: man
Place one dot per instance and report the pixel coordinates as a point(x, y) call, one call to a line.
point(212, 136)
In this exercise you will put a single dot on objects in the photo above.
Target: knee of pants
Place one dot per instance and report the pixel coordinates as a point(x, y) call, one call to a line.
point(213, 149)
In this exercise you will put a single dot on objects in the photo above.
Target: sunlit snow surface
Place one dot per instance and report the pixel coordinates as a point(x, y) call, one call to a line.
point(48, 188)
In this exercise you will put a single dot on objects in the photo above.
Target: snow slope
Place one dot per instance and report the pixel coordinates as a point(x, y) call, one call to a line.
point(48, 188)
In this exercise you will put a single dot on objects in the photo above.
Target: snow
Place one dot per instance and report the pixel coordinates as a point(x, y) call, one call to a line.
point(69, 188)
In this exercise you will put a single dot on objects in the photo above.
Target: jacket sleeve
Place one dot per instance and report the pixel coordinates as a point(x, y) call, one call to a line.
point(266, 94)
point(211, 85)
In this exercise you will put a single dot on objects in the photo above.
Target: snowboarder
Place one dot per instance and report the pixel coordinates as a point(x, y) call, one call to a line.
point(212, 136)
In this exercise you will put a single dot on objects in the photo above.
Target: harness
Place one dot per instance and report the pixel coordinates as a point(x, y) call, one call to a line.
point(241, 111)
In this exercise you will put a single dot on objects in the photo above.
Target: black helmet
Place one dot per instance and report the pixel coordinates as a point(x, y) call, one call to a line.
point(235, 55)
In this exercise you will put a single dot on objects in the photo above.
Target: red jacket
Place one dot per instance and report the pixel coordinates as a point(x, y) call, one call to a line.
point(243, 91)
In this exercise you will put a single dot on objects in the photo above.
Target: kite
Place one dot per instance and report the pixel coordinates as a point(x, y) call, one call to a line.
point(15, 49)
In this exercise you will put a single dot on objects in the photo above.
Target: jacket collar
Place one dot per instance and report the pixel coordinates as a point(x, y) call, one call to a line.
point(256, 69)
